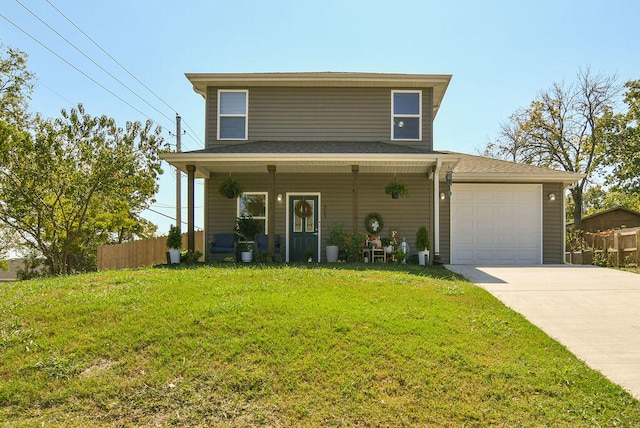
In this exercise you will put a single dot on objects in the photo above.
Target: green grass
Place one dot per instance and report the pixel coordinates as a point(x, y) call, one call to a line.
point(631, 269)
point(286, 346)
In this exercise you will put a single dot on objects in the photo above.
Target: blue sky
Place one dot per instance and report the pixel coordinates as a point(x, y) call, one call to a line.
point(500, 53)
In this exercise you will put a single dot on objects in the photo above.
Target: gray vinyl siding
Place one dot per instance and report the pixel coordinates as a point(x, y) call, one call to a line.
point(320, 114)
point(404, 215)
point(552, 227)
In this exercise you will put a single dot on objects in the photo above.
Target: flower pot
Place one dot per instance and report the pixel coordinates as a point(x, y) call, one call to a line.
point(174, 255)
point(231, 194)
point(423, 257)
point(247, 256)
point(389, 249)
point(332, 253)
point(395, 195)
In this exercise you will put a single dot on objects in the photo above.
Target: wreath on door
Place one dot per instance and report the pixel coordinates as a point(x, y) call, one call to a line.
point(303, 208)
point(373, 223)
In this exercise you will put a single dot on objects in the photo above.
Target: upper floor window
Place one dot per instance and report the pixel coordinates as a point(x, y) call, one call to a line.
point(406, 115)
point(232, 114)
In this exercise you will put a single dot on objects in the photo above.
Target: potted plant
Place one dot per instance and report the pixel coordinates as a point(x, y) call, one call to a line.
point(309, 255)
point(247, 228)
point(422, 245)
point(386, 244)
point(174, 242)
point(396, 189)
point(335, 242)
point(354, 243)
point(230, 188)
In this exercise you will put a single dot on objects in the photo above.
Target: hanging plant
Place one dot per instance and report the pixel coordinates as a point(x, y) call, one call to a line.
point(396, 189)
point(373, 223)
point(230, 188)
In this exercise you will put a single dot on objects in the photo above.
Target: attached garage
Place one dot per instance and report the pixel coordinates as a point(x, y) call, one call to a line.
point(496, 224)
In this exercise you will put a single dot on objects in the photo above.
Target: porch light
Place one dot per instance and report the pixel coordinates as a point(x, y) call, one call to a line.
point(279, 197)
point(552, 197)
point(442, 196)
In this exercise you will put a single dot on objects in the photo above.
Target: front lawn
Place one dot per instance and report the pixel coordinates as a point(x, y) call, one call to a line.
point(286, 346)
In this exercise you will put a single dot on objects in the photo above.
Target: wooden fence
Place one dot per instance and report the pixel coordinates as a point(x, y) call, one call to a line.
point(145, 252)
point(615, 247)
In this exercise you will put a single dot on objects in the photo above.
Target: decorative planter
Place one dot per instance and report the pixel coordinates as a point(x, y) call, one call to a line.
point(389, 249)
point(423, 257)
point(395, 195)
point(332, 253)
point(174, 255)
point(247, 256)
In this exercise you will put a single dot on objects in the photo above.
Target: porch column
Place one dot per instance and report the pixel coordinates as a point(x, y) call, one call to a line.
point(191, 178)
point(354, 197)
point(436, 210)
point(271, 210)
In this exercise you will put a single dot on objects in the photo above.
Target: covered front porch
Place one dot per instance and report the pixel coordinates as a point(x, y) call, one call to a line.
point(344, 187)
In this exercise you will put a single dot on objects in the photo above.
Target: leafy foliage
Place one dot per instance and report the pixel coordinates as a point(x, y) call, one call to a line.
point(625, 158)
point(16, 85)
point(174, 238)
point(230, 188)
point(76, 182)
point(336, 235)
point(396, 188)
point(566, 127)
point(422, 238)
point(353, 244)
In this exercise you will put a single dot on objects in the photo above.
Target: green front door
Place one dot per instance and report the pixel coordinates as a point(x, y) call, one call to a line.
point(303, 228)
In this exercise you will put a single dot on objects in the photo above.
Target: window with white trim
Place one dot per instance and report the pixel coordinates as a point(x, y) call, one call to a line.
point(233, 112)
point(254, 205)
point(406, 115)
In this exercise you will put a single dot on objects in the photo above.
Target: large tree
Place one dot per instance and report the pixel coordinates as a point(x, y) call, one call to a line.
point(562, 128)
point(16, 85)
point(625, 137)
point(76, 182)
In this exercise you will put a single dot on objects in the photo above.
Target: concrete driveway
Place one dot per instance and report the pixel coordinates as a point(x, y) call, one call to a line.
point(593, 311)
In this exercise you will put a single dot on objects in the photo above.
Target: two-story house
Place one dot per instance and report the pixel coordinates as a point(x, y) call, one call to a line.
point(328, 143)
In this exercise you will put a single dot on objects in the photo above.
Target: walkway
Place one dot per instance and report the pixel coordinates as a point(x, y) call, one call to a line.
point(593, 311)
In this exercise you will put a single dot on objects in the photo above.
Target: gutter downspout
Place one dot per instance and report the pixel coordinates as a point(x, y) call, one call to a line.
point(436, 209)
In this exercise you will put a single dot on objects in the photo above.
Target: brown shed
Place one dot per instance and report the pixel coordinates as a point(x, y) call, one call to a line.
point(614, 218)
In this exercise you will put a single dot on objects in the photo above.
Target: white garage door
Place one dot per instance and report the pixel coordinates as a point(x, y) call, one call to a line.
point(496, 224)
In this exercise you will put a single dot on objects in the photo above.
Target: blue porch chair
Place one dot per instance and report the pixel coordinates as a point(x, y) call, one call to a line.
point(224, 245)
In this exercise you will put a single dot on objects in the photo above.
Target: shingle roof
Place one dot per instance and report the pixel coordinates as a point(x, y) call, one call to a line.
point(370, 147)
point(472, 165)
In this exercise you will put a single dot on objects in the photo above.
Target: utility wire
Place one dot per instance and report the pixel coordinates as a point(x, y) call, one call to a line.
point(74, 67)
point(94, 62)
point(125, 69)
point(56, 93)
point(172, 218)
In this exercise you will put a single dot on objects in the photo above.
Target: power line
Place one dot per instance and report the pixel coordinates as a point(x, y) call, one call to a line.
point(123, 67)
point(74, 67)
point(56, 93)
point(90, 59)
point(171, 218)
